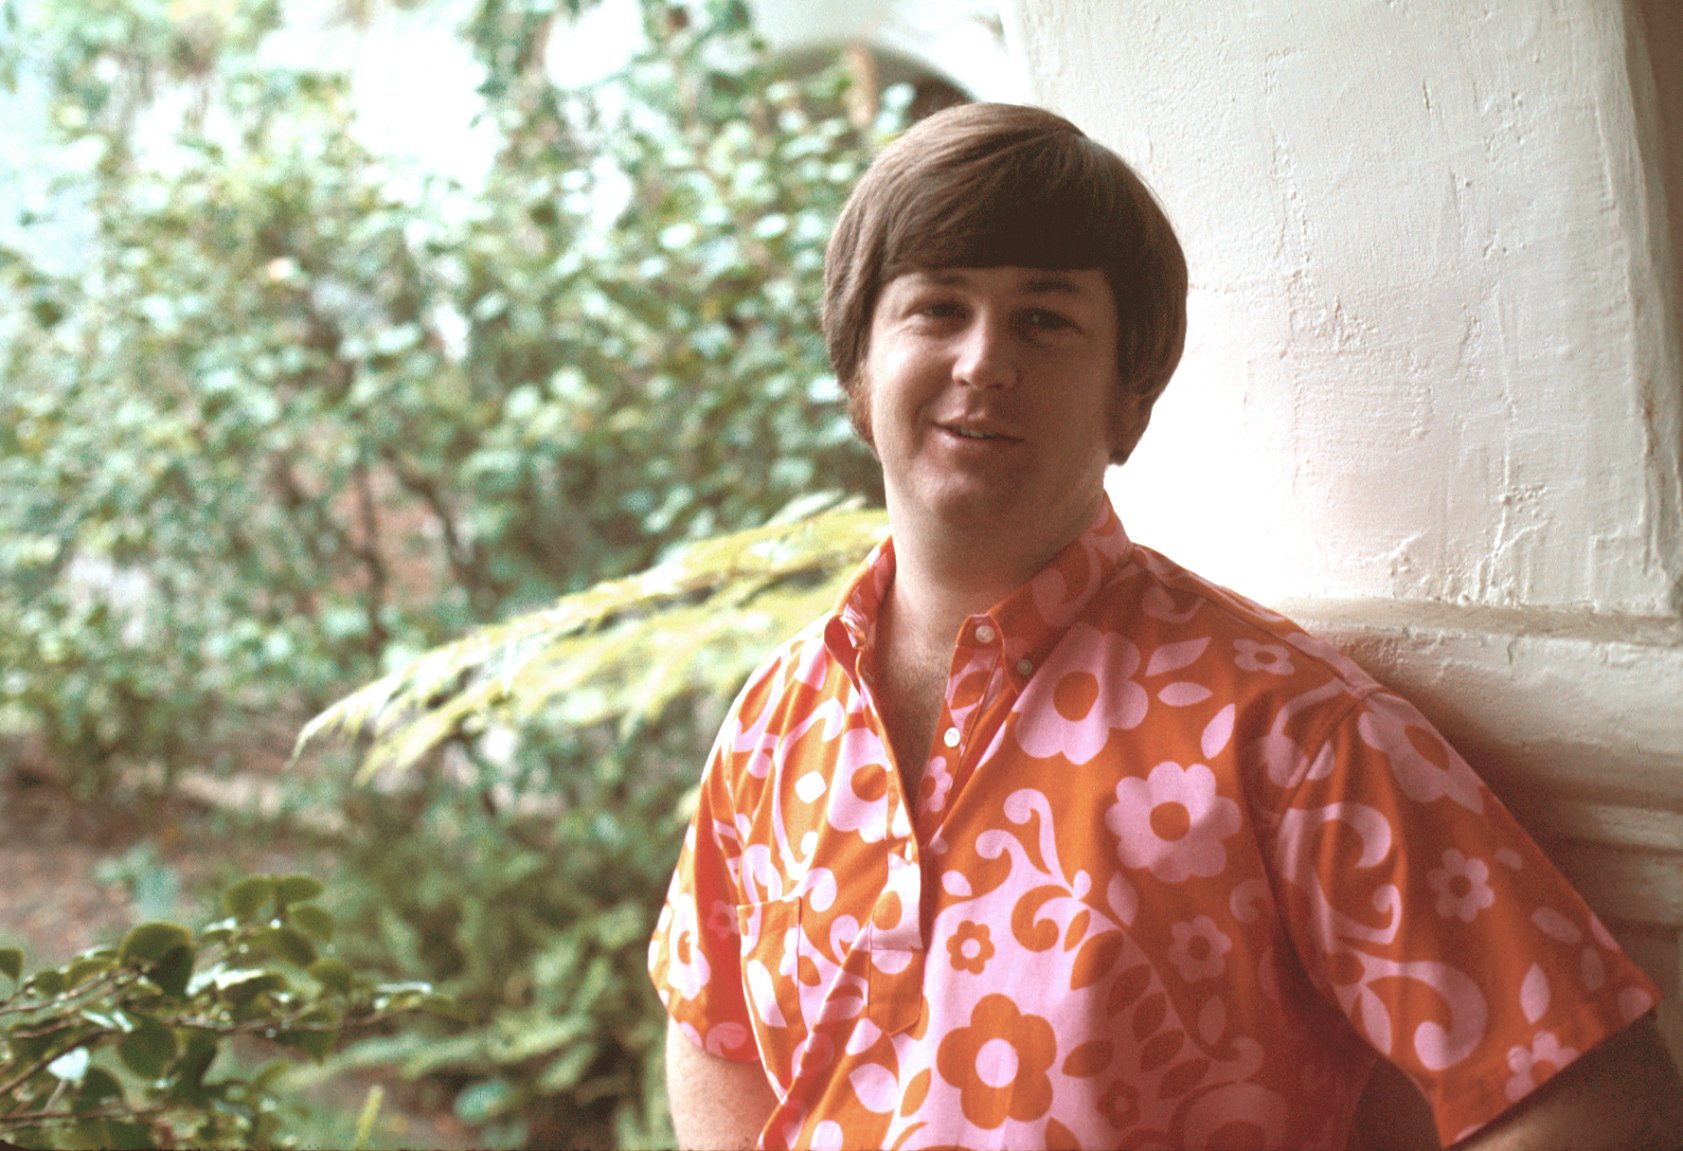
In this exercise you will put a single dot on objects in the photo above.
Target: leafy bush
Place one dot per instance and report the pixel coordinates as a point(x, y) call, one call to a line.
point(290, 422)
point(115, 1047)
point(291, 419)
point(533, 773)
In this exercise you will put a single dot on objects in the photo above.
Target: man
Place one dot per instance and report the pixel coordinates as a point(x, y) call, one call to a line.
point(1041, 840)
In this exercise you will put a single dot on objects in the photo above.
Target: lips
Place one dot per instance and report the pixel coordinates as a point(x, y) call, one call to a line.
point(979, 431)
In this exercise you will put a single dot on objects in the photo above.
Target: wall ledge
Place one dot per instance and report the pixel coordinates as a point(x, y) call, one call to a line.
point(1578, 706)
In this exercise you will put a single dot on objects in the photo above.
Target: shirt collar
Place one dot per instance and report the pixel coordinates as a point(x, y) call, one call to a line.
point(1028, 622)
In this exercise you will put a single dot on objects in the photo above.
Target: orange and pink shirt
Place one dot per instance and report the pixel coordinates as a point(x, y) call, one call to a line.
point(1175, 876)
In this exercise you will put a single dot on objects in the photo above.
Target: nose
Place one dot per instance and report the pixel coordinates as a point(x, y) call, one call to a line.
point(986, 355)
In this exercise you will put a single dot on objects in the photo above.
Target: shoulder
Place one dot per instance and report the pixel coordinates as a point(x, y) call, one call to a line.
point(802, 660)
point(1220, 678)
point(796, 684)
point(1166, 601)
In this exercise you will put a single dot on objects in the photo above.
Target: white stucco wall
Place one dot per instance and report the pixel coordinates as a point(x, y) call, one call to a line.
point(1432, 403)
point(1424, 326)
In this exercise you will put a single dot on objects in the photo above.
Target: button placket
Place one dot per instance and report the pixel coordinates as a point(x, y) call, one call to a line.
point(895, 953)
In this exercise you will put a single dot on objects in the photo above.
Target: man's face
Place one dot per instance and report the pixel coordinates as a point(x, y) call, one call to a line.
point(993, 399)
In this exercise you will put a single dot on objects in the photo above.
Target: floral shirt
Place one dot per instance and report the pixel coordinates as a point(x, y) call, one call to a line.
point(1176, 875)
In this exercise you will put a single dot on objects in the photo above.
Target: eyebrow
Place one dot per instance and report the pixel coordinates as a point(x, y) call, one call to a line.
point(1053, 283)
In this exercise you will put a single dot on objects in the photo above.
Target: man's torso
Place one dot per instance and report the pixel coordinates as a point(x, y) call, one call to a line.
point(1132, 900)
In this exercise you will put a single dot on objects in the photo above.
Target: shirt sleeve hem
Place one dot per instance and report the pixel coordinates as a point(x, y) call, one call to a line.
point(695, 1027)
point(1481, 1096)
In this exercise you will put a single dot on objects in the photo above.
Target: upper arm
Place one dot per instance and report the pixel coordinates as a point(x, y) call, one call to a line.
point(1622, 1093)
point(716, 1102)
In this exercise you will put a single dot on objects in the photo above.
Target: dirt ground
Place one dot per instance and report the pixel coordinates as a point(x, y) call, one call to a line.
point(51, 902)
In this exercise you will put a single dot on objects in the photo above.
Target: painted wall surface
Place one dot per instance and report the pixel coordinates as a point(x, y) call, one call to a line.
point(1432, 403)
point(1429, 357)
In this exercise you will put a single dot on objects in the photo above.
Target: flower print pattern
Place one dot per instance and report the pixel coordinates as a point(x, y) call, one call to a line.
point(999, 1063)
point(1426, 768)
point(1544, 1050)
point(721, 920)
point(1120, 1104)
point(970, 948)
point(1073, 935)
point(1273, 658)
point(1199, 949)
point(1462, 886)
point(690, 969)
point(1092, 695)
point(1173, 822)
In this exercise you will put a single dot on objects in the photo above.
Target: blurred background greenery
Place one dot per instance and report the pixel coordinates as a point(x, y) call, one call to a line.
point(285, 421)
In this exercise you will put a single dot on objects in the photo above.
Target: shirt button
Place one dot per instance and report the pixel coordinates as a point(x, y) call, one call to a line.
point(984, 633)
point(1025, 667)
point(951, 738)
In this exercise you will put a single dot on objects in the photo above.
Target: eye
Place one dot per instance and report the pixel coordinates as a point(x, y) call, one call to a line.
point(1046, 320)
point(936, 309)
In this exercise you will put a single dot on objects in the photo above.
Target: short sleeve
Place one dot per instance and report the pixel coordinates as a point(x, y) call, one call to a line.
point(694, 954)
point(1421, 908)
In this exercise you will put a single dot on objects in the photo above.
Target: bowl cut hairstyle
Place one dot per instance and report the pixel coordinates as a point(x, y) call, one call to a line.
point(996, 185)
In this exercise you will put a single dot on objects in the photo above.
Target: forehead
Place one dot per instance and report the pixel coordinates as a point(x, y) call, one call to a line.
point(1077, 286)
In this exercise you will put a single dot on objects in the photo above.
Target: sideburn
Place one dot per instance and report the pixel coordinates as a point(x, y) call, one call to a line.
point(859, 411)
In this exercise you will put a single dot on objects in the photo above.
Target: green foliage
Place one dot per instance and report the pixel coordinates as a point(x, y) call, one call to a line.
point(115, 1047)
point(537, 922)
point(623, 652)
point(534, 778)
point(292, 418)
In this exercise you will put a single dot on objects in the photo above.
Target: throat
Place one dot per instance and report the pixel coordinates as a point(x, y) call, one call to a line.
point(914, 656)
point(911, 693)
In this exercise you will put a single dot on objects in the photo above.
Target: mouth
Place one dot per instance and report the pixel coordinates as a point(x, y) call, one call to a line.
point(977, 432)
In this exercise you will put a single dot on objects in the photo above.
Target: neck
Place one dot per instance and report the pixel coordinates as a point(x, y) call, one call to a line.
point(942, 575)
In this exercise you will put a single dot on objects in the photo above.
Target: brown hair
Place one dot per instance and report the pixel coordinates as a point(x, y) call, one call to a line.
point(993, 185)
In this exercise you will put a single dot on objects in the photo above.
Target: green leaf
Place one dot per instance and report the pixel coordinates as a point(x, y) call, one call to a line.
point(446, 1007)
point(49, 981)
point(335, 975)
point(312, 919)
point(173, 972)
point(241, 987)
point(566, 1070)
point(290, 889)
point(317, 1043)
point(122, 1133)
point(151, 942)
point(247, 899)
point(286, 943)
point(149, 1048)
point(484, 1101)
point(83, 968)
point(11, 963)
point(190, 1069)
point(542, 1037)
point(99, 1087)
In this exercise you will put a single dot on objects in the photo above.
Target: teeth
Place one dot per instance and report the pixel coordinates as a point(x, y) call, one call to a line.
point(969, 434)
